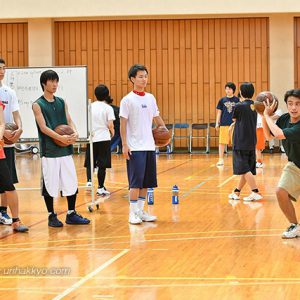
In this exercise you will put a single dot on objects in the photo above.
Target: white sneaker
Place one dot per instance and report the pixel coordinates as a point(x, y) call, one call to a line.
point(5, 219)
point(234, 196)
point(220, 162)
point(146, 217)
point(253, 197)
point(259, 165)
point(282, 149)
point(134, 218)
point(291, 232)
point(88, 184)
point(103, 192)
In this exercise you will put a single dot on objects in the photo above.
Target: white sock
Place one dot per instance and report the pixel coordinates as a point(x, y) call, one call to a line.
point(141, 203)
point(133, 206)
point(70, 211)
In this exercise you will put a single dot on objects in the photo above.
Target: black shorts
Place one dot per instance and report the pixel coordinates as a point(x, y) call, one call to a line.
point(141, 169)
point(244, 161)
point(11, 163)
point(6, 183)
point(102, 155)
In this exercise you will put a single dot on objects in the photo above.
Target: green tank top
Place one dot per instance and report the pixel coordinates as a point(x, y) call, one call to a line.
point(54, 114)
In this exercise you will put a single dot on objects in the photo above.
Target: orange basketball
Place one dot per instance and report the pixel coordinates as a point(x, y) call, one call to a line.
point(161, 136)
point(263, 97)
point(62, 130)
point(9, 127)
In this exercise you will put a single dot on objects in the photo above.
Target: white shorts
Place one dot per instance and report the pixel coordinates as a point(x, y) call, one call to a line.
point(59, 174)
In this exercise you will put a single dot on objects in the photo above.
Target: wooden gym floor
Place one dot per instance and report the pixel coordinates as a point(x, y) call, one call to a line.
point(204, 248)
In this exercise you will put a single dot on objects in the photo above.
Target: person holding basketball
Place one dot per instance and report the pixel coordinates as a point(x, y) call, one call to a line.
point(138, 110)
point(58, 169)
point(6, 183)
point(287, 129)
point(11, 115)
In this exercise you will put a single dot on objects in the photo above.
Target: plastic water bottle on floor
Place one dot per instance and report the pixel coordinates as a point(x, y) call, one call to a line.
point(175, 194)
point(150, 196)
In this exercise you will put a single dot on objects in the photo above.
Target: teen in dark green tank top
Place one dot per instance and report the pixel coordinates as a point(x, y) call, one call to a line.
point(54, 114)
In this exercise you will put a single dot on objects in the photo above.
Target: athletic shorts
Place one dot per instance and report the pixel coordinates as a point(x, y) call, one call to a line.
point(244, 161)
point(59, 175)
point(102, 155)
point(11, 163)
point(141, 169)
point(290, 180)
point(6, 183)
point(224, 135)
point(261, 141)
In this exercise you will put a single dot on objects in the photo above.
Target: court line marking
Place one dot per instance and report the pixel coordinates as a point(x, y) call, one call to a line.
point(227, 180)
point(146, 235)
point(196, 187)
point(197, 173)
point(90, 275)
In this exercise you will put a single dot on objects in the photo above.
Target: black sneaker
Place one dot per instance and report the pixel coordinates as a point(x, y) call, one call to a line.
point(76, 219)
point(53, 221)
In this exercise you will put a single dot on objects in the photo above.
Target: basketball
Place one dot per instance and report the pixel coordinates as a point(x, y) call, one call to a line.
point(263, 97)
point(62, 130)
point(161, 136)
point(9, 127)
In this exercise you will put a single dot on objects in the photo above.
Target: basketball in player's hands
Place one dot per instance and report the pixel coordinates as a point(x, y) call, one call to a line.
point(11, 127)
point(161, 136)
point(264, 97)
point(63, 130)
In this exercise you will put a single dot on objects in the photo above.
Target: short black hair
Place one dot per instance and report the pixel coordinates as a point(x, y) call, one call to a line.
point(134, 69)
point(247, 90)
point(102, 93)
point(2, 61)
point(231, 85)
point(292, 93)
point(48, 75)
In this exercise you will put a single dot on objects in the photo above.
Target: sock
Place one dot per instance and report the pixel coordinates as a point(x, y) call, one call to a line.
point(70, 211)
point(3, 208)
point(133, 206)
point(237, 190)
point(255, 190)
point(49, 203)
point(15, 220)
point(141, 203)
point(71, 202)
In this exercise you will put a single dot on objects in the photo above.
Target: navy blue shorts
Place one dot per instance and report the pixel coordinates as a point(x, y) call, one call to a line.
point(244, 161)
point(6, 183)
point(141, 169)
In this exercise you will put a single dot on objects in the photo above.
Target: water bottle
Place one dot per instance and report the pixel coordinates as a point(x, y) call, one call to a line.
point(150, 196)
point(157, 151)
point(175, 193)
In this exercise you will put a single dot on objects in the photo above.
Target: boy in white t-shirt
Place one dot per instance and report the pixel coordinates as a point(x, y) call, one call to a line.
point(138, 110)
point(103, 129)
point(11, 115)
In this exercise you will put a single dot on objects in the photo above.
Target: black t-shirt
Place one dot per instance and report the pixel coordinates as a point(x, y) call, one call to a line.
point(291, 143)
point(117, 117)
point(244, 134)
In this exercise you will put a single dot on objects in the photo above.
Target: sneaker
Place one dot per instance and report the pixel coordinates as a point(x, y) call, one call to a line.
point(220, 162)
point(53, 221)
point(76, 219)
point(291, 232)
point(146, 217)
point(253, 197)
point(134, 218)
point(88, 184)
point(234, 196)
point(19, 226)
point(102, 192)
point(5, 218)
point(282, 149)
point(259, 165)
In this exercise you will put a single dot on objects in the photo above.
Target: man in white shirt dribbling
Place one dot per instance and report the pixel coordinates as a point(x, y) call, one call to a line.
point(138, 110)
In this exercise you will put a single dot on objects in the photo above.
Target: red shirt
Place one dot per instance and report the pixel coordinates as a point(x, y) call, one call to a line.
point(2, 155)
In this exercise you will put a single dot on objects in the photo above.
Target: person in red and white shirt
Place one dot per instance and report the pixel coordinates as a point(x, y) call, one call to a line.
point(6, 184)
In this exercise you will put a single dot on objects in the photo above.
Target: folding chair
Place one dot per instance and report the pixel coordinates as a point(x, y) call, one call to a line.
point(213, 125)
point(174, 136)
point(205, 128)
